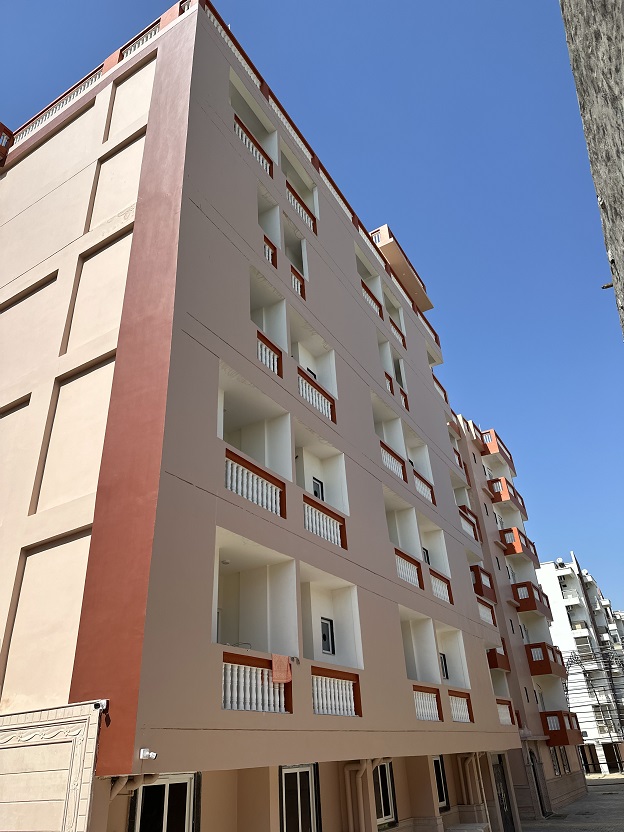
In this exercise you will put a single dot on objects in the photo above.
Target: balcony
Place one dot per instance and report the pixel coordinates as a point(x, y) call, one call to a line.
point(398, 333)
point(401, 267)
point(517, 543)
point(441, 587)
point(409, 569)
point(498, 659)
point(428, 328)
point(545, 660)
point(424, 487)
point(502, 491)
point(428, 704)
point(255, 484)
point(461, 706)
point(486, 613)
point(323, 522)
point(253, 146)
point(371, 300)
point(404, 399)
point(493, 444)
point(441, 390)
point(298, 283)
point(482, 583)
point(469, 522)
point(317, 396)
point(301, 208)
point(530, 598)
point(389, 383)
point(248, 685)
point(393, 462)
point(335, 692)
point(453, 424)
point(270, 252)
point(562, 728)
point(269, 354)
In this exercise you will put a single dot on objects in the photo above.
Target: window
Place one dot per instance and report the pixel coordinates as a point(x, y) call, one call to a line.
point(311, 373)
point(425, 554)
point(526, 693)
point(166, 805)
point(487, 513)
point(499, 521)
point(318, 489)
point(383, 782)
point(564, 759)
point(444, 666)
point(327, 636)
point(299, 802)
point(555, 762)
point(497, 563)
point(513, 629)
point(440, 777)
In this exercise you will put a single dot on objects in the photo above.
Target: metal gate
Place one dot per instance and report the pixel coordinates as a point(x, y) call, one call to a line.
point(502, 793)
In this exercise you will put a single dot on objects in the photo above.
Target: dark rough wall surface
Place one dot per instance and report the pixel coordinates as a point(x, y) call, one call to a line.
point(595, 35)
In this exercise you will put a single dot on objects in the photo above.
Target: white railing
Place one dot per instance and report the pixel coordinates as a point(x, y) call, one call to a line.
point(504, 714)
point(251, 147)
point(371, 300)
point(426, 706)
point(485, 580)
point(252, 487)
point(268, 357)
point(402, 291)
point(497, 486)
point(440, 389)
point(485, 613)
point(56, 108)
point(336, 195)
point(423, 487)
point(407, 571)
point(298, 282)
point(269, 253)
point(389, 385)
point(397, 332)
point(301, 211)
point(553, 723)
point(234, 49)
point(373, 250)
point(523, 592)
point(308, 392)
point(333, 696)
point(247, 688)
point(427, 325)
point(440, 589)
point(321, 524)
point(392, 463)
point(290, 129)
point(537, 654)
point(510, 537)
point(404, 400)
point(459, 709)
point(570, 594)
point(468, 527)
point(139, 42)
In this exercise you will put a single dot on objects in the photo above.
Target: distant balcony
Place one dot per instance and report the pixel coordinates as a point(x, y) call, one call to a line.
point(517, 543)
point(270, 252)
point(545, 660)
point(441, 587)
point(247, 685)
point(253, 146)
point(317, 396)
point(441, 390)
point(403, 397)
point(486, 613)
point(323, 522)
point(389, 384)
point(269, 354)
point(570, 597)
point(398, 334)
point(530, 598)
point(505, 712)
point(424, 488)
point(255, 484)
point(498, 659)
point(453, 424)
point(562, 728)
point(428, 328)
point(503, 491)
point(493, 444)
point(469, 522)
point(298, 282)
point(371, 300)
point(301, 208)
point(428, 703)
point(409, 569)
point(393, 462)
point(335, 692)
point(461, 706)
point(482, 583)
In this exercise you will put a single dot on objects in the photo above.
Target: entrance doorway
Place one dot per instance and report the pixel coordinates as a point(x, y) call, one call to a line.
point(502, 793)
point(537, 778)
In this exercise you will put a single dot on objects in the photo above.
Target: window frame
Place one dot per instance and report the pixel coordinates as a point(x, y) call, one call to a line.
point(318, 485)
point(555, 761)
point(391, 820)
point(134, 823)
point(331, 635)
point(564, 759)
point(315, 802)
point(443, 805)
point(444, 670)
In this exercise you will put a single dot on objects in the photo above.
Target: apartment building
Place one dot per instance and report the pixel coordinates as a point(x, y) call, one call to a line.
point(236, 587)
point(589, 633)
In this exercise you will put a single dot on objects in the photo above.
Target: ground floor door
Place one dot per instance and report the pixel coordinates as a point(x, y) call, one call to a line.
point(537, 777)
point(502, 793)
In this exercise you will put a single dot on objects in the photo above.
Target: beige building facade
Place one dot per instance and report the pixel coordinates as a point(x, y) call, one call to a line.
point(236, 577)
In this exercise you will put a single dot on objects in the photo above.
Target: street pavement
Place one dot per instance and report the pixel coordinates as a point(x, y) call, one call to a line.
point(601, 810)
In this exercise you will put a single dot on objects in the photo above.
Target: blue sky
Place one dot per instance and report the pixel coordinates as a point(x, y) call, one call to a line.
point(457, 124)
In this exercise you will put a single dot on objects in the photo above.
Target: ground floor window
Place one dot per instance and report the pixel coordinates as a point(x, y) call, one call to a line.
point(564, 759)
point(383, 782)
point(165, 806)
point(555, 762)
point(440, 777)
point(299, 799)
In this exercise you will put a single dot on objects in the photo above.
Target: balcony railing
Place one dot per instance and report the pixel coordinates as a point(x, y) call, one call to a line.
point(424, 487)
point(441, 587)
point(428, 704)
point(247, 685)
point(393, 461)
point(493, 444)
point(427, 326)
point(505, 712)
point(270, 252)
point(317, 396)
point(301, 208)
point(371, 300)
point(409, 569)
point(498, 659)
point(404, 399)
point(324, 522)
point(503, 491)
point(298, 282)
point(545, 660)
point(461, 707)
point(254, 484)
point(269, 354)
point(530, 598)
point(517, 543)
point(398, 334)
point(482, 582)
point(389, 384)
point(458, 458)
point(335, 693)
point(486, 613)
point(453, 424)
point(469, 522)
point(441, 390)
point(140, 41)
point(562, 728)
point(253, 146)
